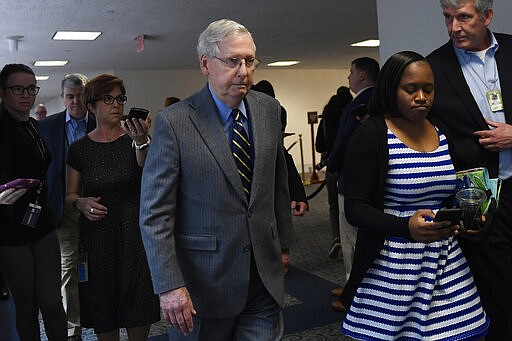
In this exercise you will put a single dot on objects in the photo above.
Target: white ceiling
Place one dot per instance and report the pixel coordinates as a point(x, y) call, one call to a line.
point(318, 33)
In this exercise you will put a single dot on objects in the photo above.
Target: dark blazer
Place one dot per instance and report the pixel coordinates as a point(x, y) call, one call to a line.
point(22, 158)
point(348, 123)
point(364, 181)
point(297, 192)
point(53, 130)
point(198, 227)
point(455, 107)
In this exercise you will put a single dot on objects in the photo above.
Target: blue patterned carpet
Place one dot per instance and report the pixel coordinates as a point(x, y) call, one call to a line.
point(303, 310)
point(308, 314)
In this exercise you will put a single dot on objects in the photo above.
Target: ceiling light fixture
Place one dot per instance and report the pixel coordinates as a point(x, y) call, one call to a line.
point(75, 35)
point(13, 43)
point(367, 43)
point(50, 62)
point(284, 63)
point(42, 78)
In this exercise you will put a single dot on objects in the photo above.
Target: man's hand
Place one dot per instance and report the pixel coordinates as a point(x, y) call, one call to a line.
point(9, 196)
point(178, 309)
point(496, 139)
point(286, 261)
point(299, 208)
point(429, 231)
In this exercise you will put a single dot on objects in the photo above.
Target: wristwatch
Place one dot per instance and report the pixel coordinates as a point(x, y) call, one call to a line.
point(142, 146)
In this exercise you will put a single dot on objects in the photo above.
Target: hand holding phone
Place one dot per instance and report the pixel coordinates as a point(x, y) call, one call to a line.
point(453, 215)
point(138, 113)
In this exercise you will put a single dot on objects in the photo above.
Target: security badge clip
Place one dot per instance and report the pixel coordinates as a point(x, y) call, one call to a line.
point(83, 267)
point(31, 215)
point(495, 100)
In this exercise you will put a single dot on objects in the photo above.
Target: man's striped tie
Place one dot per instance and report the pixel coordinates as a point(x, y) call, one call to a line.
point(241, 148)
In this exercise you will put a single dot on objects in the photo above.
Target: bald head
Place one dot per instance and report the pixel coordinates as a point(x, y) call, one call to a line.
point(40, 112)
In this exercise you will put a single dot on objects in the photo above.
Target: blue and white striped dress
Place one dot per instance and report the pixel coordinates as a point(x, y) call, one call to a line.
point(417, 291)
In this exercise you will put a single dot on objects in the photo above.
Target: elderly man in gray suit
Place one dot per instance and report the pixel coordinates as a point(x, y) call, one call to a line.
point(215, 209)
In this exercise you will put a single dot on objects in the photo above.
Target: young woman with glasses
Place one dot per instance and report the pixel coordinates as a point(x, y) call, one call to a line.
point(29, 248)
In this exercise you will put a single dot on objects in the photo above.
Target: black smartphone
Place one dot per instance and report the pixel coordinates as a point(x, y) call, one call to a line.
point(138, 113)
point(452, 215)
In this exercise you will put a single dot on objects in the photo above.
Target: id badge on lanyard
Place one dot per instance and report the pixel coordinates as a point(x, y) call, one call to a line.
point(495, 100)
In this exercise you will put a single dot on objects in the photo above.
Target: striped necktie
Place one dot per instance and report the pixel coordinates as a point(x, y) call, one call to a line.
point(241, 148)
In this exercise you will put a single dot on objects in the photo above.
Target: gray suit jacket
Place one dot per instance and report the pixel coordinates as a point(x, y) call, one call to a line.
point(198, 229)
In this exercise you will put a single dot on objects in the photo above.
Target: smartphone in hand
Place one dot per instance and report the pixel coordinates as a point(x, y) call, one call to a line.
point(138, 113)
point(452, 215)
point(20, 183)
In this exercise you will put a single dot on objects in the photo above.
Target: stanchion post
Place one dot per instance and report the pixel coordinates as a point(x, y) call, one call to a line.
point(312, 119)
point(303, 174)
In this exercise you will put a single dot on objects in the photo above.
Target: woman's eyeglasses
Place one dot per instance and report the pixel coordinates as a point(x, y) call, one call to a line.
point(19, 90)
point(107, 99)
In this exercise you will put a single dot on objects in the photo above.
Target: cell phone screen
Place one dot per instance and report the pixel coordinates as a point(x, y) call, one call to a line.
point(452, 215)
point(138, 113)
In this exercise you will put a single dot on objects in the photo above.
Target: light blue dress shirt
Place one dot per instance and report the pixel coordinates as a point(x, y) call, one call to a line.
point(74, 129)
point(227, 120)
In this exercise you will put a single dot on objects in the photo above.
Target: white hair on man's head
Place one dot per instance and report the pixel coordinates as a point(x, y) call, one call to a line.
point(73, 80)
point(481, 6)
point(216, 32)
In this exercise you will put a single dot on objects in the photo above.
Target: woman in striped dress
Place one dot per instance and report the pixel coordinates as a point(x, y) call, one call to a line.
point(412, 280)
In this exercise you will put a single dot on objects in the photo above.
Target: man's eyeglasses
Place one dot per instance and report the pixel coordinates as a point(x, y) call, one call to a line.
point(107, 99)
point(19, 90)
point(233, 62)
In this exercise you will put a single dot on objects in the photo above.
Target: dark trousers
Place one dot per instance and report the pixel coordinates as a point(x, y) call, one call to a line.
point(261, 319)
point(490, 261)
point(32, 272)
point(332, 196)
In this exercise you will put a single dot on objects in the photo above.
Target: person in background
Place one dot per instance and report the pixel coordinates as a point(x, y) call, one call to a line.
point(471, 70)
point(59, 132)
point(361, 80)
point(29, 248)
point(296, 189)
point(298, 198)
point(326, 134)
point(170, 101)
point(40, 112)
point(215, 207)
point(103, 183)
point(411, 277)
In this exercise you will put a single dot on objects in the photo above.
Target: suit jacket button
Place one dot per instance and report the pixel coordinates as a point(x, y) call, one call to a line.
point(247, 248)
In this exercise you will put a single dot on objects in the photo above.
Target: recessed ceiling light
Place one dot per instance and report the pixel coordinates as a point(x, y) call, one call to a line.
point(75, 35)
point(284, 63)
point(42, 78)
point(367, 43)
point(50, 62)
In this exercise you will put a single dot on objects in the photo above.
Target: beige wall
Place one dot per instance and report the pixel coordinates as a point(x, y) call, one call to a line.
point(299, 91)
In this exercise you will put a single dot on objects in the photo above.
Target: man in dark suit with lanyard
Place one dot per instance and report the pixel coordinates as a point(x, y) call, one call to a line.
point(473, 101)
point(59, 131)
point(362, 77)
